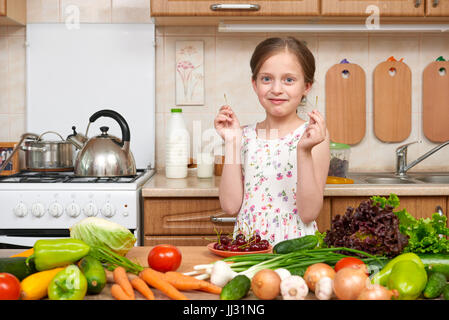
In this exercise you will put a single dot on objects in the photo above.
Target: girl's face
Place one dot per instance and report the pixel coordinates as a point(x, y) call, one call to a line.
point(280, 84)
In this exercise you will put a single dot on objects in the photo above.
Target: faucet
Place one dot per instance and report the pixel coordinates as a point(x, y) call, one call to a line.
point(401, 157)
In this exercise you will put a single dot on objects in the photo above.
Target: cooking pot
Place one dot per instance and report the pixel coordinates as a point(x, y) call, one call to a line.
point(104, 155)
point(44, 155)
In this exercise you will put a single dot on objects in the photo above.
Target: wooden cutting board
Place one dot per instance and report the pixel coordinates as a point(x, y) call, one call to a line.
point(346, 103)
point(435, 110)
point(392, 108)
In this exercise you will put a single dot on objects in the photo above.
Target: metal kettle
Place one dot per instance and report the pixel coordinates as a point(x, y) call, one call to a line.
point(104, 155)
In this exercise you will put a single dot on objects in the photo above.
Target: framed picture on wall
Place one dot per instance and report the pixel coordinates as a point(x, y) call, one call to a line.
point(12, 167)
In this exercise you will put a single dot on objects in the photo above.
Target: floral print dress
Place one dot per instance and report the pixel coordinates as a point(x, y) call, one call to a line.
point(270, 178)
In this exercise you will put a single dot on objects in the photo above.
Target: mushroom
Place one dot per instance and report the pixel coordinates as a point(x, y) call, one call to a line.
point(294, 288)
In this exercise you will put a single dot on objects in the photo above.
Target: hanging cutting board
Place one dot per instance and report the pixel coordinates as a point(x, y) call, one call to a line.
point(436, 101)
point(392, 101)
point(346, 103)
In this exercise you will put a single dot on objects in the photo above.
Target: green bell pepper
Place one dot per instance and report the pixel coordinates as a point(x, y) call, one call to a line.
point(53, 253)
point(408, 278)
point(382, 276)
point(68, 284)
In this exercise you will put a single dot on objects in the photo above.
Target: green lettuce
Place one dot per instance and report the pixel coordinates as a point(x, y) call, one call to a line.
point(104, 233)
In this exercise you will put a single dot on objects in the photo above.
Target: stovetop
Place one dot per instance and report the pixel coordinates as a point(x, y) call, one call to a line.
point(66, 177)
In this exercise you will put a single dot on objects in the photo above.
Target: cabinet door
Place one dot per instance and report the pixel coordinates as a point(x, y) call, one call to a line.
point(419, 207)
point(437, 8)
point(179, 240)
point(324, 219)
point(392, 8)
point(185, 216)
point(241, 8)
point(2, 7)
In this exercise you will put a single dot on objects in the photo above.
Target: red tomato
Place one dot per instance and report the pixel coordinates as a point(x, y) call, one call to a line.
point(9, 287)
point(164, 257)
point(348, 262)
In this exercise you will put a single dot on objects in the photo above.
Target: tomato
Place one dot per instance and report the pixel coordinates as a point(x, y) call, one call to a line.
point(9, 287)
point(164, 257)
point(348, 262)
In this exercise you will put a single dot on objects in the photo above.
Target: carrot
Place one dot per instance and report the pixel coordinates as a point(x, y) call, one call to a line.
point(143, 288)
point(182, 282)
point(154, 279)
point(118, 293)
point(25, 253)
point(121, 278)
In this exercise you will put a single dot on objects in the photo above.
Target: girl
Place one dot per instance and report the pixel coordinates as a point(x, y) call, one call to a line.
point(275, 171)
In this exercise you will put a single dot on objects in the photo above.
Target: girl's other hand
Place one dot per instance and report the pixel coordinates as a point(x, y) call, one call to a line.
point(227, 124)
point(315, 132)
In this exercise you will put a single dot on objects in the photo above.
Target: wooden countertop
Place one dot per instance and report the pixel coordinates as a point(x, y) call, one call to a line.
point(192, 186)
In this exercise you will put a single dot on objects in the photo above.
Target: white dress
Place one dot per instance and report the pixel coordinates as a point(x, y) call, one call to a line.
point(270, 178)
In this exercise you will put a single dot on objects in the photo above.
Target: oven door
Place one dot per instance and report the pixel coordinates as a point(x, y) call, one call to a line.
point(25, 238)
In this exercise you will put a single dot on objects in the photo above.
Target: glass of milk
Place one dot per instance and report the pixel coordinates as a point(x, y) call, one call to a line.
point(205, 165)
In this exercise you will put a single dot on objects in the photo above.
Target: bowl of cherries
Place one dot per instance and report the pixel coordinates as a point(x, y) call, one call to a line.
point(227, 246)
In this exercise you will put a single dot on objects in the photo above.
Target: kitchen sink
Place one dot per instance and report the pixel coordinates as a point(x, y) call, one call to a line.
point(389, 180)
point(440, 179)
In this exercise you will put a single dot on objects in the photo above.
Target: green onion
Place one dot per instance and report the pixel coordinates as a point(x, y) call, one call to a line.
point(113, 260)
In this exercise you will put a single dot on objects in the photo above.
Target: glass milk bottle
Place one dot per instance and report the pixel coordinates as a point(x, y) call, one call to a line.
point(177, 146)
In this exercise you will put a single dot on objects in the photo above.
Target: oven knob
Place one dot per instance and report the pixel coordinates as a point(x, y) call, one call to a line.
point(21, 210)
point(90, 210)
point(56, 209)
point(108, 210)
point(38, 210)
point(73, 210)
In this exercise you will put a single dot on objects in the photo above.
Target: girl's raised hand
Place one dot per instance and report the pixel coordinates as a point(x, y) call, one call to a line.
point(315, 132)
point(227, 124)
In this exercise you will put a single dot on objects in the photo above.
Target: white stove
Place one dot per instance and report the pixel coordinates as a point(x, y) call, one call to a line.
point(46, 204)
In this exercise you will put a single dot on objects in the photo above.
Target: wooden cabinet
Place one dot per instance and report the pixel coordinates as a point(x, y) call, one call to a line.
point(235, 8)
point(12, 12)
point(437, 8)
point(187, 221)
point(387, 8)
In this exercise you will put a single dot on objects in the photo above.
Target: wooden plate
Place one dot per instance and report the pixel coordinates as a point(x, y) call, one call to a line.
point(223, 253)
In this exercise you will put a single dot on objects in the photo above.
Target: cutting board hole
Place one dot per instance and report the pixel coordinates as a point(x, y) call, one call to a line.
point(345, 74)
point(392, 72)
point(442, 72)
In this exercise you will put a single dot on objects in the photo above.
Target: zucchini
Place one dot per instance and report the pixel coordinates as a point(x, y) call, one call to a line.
point(435, 285)
point(446, 292)
point(94, 272)
point(236, 289)
point(303, 243)
point(436, 262)
point(18, 267)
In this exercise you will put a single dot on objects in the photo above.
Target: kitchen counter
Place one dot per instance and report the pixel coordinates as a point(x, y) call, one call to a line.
point(192, 186)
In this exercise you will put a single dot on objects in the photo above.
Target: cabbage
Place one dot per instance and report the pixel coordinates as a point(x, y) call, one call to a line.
point(101, 232)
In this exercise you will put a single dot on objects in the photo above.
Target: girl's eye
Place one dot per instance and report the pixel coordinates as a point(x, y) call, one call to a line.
point(289, 80)
point(265, 78)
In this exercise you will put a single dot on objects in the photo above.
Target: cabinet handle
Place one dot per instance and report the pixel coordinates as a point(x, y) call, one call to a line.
point(439, 210)
point(236, 6)
point(417, 3)
point(435, 3)
point(222, 220)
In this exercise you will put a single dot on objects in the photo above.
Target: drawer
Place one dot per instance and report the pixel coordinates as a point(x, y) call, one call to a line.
point(185, 216)
point(180, 240)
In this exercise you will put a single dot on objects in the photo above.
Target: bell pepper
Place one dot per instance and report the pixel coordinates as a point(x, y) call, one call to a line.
point(68, 284)
point(382, 276)
point(53, 253)
point(408, 278)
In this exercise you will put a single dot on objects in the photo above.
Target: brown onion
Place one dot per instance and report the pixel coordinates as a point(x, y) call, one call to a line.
point(317, 271)
point(377, 292)
point(349, 282)
point(266, 284)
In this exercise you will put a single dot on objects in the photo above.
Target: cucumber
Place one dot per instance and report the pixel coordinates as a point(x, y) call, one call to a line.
point(95, 274)
point(17, 266)
point(436, 262)
point(435, 285)
point(446, 292)
point(236, 289)
point(303, 243)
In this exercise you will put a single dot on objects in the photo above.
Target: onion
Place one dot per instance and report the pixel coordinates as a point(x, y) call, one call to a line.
point(349, 282)
point(266, 284)
point(317, 271)
point(377, 292)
